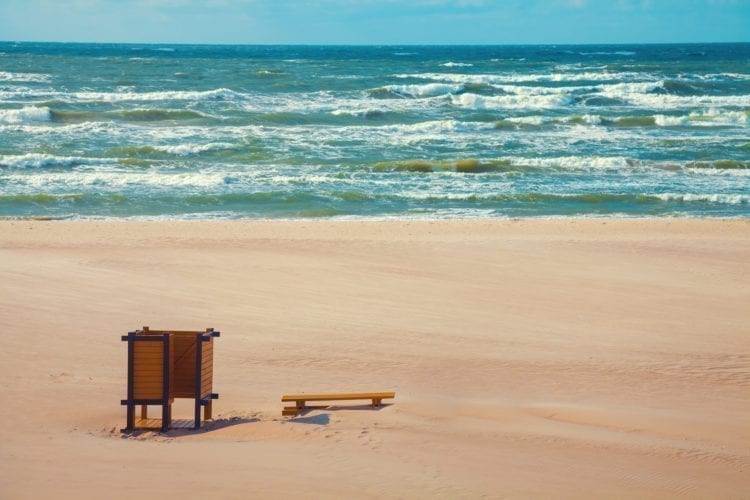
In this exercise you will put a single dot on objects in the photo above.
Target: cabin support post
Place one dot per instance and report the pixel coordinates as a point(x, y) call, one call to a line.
point(198, 369)
point(130, 422)
point(165, 394)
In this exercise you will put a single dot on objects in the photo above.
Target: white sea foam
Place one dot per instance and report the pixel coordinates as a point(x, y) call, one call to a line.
point(723, 76)
point(528, 120)
point(438, 126)
point(539, 77)
point(730, 199)
point(357, 112)
point(645, 94)
point(714, 117)
point(605, 53)
point(425, 90)
point(576, 162)
point(189, 149)
point(103, 181)
point(25, 115)
point(589, 119)
point(451, 64)
point(186, 95)
point(670, 121)
point(475, 101)
point(39, 160)
point(6, 76)
point(13, 93)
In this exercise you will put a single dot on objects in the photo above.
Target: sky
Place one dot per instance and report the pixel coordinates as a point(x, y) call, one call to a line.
point(376, 22)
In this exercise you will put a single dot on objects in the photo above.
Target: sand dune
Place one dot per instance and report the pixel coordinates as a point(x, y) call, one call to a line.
point(534, 358)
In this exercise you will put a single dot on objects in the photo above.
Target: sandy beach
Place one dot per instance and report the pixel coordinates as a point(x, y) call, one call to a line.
point(588, 358)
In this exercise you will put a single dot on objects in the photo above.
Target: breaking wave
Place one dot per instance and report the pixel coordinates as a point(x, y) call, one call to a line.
point(27, 114)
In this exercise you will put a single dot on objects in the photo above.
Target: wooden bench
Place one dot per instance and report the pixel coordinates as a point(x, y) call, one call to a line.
point(301, 399)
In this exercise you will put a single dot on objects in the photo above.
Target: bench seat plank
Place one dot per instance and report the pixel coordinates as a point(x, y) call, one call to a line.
point(302, 399)
point(338, 397)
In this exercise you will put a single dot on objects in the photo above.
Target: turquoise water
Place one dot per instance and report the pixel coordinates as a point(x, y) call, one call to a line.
point(180, 131)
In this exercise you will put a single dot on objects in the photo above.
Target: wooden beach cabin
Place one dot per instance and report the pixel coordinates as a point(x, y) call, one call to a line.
point(164, 365)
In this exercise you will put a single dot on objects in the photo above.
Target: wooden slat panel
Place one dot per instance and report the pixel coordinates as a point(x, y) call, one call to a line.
point(147, 360)
point(149, 423)
point(184, 366)
point(148, 364)
point(147, 393)
point(176, 332)
point(148, 345)
point(148, 348)
point(152, 367)
point(147, 370)
point(143, 368)
point(150, 352)
point(148, 384)
point(184, 388)
point(207, 368)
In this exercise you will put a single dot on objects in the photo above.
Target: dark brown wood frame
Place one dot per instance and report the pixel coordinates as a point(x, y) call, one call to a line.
point(167, 397)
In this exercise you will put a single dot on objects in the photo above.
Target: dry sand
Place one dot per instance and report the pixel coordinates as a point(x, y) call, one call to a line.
point(534, 358)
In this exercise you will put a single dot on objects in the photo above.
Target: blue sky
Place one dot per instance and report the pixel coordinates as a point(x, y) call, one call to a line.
point(376, 21)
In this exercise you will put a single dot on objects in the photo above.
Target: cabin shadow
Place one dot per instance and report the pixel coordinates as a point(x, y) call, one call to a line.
point(186, 427)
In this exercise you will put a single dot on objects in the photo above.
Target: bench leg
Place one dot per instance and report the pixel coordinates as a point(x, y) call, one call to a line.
point(144, 412)
point(376, 402)
point(207, 411)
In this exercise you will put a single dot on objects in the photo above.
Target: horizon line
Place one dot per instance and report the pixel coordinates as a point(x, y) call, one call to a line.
point(410, 44)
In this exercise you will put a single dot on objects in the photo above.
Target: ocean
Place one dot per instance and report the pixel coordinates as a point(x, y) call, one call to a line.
point(113, 131)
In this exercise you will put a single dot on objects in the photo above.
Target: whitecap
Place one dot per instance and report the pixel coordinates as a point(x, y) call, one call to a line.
point(425, 90)
point(25, 115)
point(730, 199)
point(605, 53)
point(187, 95)
point(451, 64)
point(576, 162)
point(6, 76)
point(670, 121)
point(39, 160)
point(474, 101)
point(557, 77)
point(188, 149)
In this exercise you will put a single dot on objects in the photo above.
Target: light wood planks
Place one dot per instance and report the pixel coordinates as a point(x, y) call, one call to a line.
point(300, 400)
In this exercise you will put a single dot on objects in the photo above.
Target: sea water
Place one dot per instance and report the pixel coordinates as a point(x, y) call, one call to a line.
point(185, 131)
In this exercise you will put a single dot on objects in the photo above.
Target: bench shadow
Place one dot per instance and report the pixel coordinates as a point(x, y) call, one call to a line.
point(359, 407)
point(324, 418)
